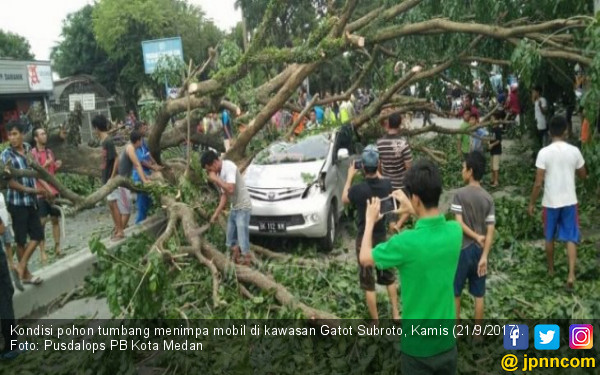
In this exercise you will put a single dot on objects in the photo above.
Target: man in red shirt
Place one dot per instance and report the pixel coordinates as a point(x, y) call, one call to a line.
point(45, 157)
point(468, 104)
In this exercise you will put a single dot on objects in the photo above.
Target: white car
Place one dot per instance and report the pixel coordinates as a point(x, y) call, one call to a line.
point(296, 188)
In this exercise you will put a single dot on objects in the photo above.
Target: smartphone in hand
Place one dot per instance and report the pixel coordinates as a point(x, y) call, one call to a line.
point(388, 204)
point(358, 164)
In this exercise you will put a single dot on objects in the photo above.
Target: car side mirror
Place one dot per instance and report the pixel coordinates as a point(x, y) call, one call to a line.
point(342, 154)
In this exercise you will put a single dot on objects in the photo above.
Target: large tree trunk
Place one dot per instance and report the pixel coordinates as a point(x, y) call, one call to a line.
point(236, 152)
point(82, 160)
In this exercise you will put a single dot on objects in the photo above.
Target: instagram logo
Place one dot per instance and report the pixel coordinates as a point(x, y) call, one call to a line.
point(581, 336)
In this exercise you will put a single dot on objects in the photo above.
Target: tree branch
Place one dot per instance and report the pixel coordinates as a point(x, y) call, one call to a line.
point(236, 152)
point(442, 130)
point(404, 81)
point(486, 60)
point(243, 274)
point(558, 54)
point(498, 32)
point(436, 155)
point(346, 94)
point(198, 71)
point(458, 84)
point(383, 14)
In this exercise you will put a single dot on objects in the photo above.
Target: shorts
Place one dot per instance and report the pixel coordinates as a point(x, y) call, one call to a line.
point(45, 209)
point(365, 274)
point(238, 230)
point(113, 196)
point(468, 263)
point(124, 200)
point(561, 223)
point(26, 222)
point(495, 163)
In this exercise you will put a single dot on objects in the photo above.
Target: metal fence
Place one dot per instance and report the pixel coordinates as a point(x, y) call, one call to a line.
point(59, 113)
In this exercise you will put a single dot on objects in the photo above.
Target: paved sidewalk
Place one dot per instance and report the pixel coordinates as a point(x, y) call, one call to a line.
point(79, 229)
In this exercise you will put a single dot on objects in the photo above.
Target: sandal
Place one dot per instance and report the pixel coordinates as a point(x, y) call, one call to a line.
point(33, 281)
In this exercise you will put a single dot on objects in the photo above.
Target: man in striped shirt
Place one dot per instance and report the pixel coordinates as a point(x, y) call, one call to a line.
point(22, 204)
point(396, 158)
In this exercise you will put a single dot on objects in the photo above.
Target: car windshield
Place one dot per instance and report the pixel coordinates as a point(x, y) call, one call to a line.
point(312, 148)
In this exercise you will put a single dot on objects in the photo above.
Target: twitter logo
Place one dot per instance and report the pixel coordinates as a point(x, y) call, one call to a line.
point(547, 336)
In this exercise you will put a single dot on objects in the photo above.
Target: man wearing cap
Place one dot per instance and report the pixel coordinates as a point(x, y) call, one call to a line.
point(358, 195)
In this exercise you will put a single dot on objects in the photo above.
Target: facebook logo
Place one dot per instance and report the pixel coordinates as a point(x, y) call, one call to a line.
point(516, 336)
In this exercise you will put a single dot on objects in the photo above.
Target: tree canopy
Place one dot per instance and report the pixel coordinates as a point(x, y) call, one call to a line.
point(79, 53)
point(14, 46)
point(386, 45)
point(104, 40)
point(120, 28)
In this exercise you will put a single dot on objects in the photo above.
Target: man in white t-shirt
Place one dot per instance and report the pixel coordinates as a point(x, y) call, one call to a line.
point(556, 166)
point(226, 175)
point(540, 106)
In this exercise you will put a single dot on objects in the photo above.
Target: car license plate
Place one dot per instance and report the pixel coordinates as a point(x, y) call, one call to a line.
point(272, 227)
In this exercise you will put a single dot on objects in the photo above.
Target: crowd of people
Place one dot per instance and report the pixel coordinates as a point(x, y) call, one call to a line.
point(335, 111)
point(218, 123)
point(28, 205)
point(134, 162)
point(460, 247)
point(429, 290)
point(30, 202)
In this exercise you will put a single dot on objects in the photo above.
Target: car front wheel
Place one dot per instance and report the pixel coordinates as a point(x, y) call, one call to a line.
point(328, 242)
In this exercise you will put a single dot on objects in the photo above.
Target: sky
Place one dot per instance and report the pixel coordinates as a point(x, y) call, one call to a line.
point(40, 21)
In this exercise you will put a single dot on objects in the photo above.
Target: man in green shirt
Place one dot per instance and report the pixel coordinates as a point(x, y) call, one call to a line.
point(426, 258)
point(464, 140)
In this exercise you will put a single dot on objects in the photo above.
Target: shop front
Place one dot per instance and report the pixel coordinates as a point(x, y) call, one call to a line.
point(22, 84)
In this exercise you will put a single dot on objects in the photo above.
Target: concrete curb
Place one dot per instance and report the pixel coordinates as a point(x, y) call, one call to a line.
point(68, 273)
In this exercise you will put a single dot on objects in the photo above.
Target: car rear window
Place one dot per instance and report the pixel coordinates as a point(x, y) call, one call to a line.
point(307, 149)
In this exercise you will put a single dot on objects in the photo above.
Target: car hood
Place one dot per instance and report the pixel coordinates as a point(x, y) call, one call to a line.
point(277, 176)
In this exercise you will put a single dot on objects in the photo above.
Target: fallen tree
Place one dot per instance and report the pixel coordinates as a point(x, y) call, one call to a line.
point(377, 34)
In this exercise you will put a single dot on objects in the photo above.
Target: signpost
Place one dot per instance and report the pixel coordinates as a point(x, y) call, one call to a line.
point(24, 77)
point(153, 50)
point(40, 77)
point(87, 101)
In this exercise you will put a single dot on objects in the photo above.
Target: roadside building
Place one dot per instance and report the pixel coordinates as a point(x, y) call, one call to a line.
point(22, 84)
